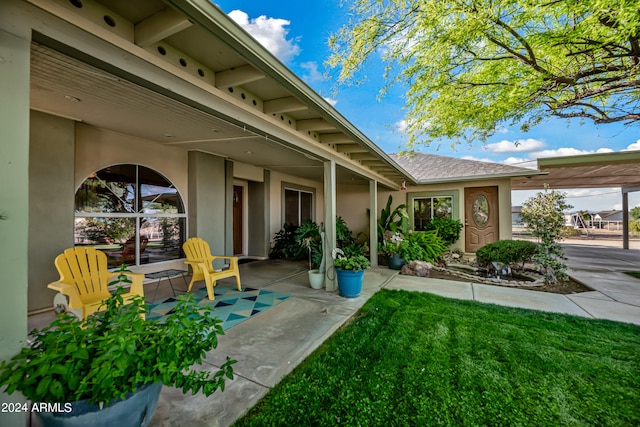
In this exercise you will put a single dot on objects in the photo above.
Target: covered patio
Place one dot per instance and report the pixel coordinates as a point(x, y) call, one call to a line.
point(271, 344)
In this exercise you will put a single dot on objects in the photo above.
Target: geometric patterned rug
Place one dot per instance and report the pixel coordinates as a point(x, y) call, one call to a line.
point(231, 306)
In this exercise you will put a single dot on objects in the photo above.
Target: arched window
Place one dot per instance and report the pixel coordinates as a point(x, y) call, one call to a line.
point(132, 213)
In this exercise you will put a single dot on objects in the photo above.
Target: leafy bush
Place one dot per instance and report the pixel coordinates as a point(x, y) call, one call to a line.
point(115, 351)
point(394, 221)
point(448, 229)
point(634, 226)
point(286, 246)
point(423, 246)
point(510, 252)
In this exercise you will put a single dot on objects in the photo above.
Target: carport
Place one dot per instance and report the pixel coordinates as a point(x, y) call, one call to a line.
point(602, 170)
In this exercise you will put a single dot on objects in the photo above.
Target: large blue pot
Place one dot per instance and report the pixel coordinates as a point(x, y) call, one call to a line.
point(135, 410)
point(349, 283)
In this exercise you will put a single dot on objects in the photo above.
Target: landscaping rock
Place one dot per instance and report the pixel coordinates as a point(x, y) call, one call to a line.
point(417, 268)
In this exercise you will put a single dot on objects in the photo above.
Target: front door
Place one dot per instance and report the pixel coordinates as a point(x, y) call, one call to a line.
point(237, 219)
point(481, 217)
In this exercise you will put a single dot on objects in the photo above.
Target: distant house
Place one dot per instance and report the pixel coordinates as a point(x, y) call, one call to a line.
point(516, 216)
point(610, 220)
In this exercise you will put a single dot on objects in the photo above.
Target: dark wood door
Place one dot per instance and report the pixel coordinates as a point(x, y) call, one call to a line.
point(237, 219)
point(481, 217)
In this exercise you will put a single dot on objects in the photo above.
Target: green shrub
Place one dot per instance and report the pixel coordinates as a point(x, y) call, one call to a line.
point(448, 229)
point(423, 246)
point(510, 252)
point(634, 226)
point(286, 246)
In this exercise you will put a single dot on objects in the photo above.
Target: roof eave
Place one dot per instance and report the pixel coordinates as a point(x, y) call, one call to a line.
point(211, 17)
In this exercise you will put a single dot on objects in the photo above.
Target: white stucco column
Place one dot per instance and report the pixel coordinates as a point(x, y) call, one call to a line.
point(373, 222)
point(14, 199)
point(330, 221)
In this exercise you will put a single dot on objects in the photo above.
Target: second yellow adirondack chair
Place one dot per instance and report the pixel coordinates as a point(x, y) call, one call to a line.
point(84, 278)
point(200, 259)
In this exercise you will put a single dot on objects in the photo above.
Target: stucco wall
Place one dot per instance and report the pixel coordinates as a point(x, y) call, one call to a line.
point(51, 201)
point(99, 148)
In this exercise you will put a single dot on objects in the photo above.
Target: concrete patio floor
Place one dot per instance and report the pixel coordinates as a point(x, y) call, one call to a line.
point(271, 344)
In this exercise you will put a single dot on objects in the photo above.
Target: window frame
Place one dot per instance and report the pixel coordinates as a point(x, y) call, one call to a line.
point(139, 212)
point(413, 196)
point(299, 189)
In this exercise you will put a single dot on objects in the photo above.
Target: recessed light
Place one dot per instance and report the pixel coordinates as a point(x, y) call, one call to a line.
point(168, 135)
point(248, 152)
point(71, 98)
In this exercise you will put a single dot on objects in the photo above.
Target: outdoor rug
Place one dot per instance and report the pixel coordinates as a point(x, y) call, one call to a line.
point(231, 306)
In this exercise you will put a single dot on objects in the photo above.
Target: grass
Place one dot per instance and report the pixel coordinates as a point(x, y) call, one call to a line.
point(635, 274)
point(415, 359)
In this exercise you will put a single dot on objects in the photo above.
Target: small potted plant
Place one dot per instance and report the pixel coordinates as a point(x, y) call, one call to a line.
point(109, 370)
point(393, 247)
point(350, 265)
point(309, 235)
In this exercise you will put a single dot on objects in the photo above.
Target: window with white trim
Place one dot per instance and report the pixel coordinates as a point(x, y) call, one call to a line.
point(132, 213)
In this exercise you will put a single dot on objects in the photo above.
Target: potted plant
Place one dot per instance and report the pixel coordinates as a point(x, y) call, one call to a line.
point(393, 247)
point(109, 370)
point(309, 235)
point(350, 265)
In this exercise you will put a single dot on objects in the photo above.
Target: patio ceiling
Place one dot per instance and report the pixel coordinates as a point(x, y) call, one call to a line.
point(215, 57)
point(602, 170)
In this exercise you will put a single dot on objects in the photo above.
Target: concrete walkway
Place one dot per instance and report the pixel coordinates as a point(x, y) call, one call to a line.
point(270, 345)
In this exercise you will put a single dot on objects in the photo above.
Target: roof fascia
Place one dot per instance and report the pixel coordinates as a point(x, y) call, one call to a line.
point(481, 177)
point(586, 159)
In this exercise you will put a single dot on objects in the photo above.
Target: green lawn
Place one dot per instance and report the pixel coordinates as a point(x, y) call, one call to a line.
point(635, 274)
point(421, 360)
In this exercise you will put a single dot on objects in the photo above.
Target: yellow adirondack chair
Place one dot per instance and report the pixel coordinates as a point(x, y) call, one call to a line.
point(84, 278)
point(200, 259)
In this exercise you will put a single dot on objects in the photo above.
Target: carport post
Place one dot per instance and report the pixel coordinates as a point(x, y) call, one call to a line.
point(625, 219)
point(373, 222)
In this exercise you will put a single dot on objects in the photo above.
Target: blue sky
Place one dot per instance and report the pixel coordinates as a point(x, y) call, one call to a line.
point(297, 33)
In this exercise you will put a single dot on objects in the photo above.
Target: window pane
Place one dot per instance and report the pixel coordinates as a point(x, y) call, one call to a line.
point(157, 194)
point(291, 207)
point(110, 190)
point(421, 213)
point(306, 206)
point(113, 236)
point(442, 207)
point(164, 238)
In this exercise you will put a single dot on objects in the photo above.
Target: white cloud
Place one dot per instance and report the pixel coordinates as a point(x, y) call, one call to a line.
point(568, 151)
point(518, 146)
point(270, 32)
point(312, 73)
point(331, 101)
point(400, 126)
point(634, 146)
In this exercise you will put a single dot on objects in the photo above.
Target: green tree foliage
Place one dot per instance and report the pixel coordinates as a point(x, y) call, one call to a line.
point(473, 65)
point(635, 212)
point(543, 215)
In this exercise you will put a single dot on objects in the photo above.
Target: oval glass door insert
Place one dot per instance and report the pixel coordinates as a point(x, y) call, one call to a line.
point(480, 210)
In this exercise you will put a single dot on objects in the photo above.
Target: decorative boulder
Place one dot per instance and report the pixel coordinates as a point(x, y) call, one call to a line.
point(417, 268)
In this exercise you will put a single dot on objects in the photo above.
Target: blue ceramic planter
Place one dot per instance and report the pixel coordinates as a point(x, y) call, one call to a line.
point(135, 410)
point(395, 261)
point(349, 283)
